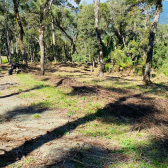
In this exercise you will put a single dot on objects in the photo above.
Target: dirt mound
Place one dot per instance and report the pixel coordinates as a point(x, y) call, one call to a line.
point(65, 82)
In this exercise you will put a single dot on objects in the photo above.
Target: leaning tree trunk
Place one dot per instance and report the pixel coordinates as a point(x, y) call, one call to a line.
point(96, 11)
point(21, 31)
point(42, 49)
point(146, 77)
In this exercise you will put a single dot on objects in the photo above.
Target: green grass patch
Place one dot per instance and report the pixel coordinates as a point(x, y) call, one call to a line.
point(70, 113)
point(30, 160)
point(36, 115)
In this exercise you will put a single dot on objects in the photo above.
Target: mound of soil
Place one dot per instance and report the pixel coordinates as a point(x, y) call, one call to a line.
point(65, 82)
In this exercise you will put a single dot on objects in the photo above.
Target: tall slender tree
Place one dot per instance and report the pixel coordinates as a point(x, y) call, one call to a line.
point(96, 11)
point(158, 9)
point(7, 44)
point(43, 14)
point(146, 77)
point(21, 31)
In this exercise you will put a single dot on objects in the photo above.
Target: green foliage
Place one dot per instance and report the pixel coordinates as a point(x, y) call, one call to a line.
point(4, 61)
point(79, 58)
point(107, 67)
point(164, 68)
point(36, 115)
point(120, 59)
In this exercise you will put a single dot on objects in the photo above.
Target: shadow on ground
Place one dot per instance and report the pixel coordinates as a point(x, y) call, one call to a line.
point(28, 90)
point(155, 88)
point(96, 156)
point(136, 110)
point(113, 112)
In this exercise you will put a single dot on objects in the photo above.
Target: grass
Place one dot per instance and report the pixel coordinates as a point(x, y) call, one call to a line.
point(14, 166)
point(36, 115)
point(136, 146)
point(30, 160)
point(70, 113)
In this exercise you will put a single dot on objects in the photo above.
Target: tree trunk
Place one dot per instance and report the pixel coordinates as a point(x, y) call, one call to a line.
point(31, 55)
point(44, 11)
point(6, 48)
point(65, 51)
point(146, 77)
point(33, 59)
point(21, 31)
point(16, 48)
point(92, 65)
point(41, 43)
point(53, 38)
point(0, 58)
point(96, 11)
point(7, 44)
point(74, 48)
point(12, 52)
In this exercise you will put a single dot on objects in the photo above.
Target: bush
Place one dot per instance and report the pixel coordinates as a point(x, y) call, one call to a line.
point(79, 58)
point(164, 69)
point(4, 61)
point(107, 67)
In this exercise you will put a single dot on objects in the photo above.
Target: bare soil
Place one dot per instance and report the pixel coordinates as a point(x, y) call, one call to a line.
point(52, 141)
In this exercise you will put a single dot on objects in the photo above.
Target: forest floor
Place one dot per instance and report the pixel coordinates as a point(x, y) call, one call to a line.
point(70, 118)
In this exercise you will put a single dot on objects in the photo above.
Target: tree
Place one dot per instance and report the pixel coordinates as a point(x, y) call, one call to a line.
point(21, 31)
point(158, 9)
point(43, 14)
point(66, 22)
point(96, 11)
point(146, 77)
point(87, 46)
point(7, 44)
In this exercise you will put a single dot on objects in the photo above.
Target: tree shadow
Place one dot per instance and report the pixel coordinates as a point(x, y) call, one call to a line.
point(96, 156)
point(155, 88)
point(22, 111)
point(120, 111)
point(28, 90)
point(89, 90)
point(5, 67)
point(83, 90)
point(116, 112)
point(88, 154)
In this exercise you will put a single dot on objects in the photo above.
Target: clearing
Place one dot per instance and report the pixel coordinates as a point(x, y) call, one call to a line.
point(70, 118)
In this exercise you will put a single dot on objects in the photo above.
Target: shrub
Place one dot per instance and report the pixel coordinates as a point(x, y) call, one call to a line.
point(164, 69)
point(4, 61)
point(107, 67)
point(79, 58)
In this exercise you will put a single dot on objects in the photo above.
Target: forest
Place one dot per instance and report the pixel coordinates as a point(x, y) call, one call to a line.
point(34, 31)
point(83, 85)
